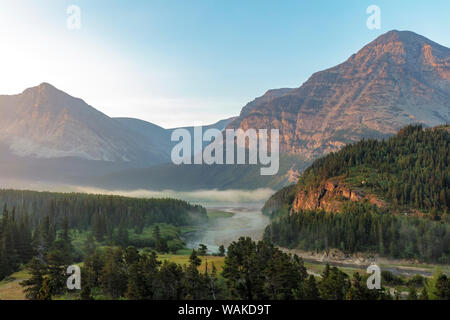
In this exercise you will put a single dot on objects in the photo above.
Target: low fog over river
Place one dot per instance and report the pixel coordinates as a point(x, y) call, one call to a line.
point(247, 220)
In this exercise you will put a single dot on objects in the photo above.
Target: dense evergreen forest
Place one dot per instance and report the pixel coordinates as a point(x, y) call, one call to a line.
point(252, 271)
point(82, 210)
point(364, 227)
point(31, 221)
point(410, 171)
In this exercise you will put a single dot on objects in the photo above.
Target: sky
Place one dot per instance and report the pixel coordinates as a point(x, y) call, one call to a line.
point(191, 62)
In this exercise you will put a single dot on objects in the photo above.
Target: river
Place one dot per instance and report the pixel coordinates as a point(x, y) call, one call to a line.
point(247, 220)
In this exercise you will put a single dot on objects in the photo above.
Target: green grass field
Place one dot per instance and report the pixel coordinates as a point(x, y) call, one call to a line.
point(169, 232)
point(184, 260)
point(10, 289)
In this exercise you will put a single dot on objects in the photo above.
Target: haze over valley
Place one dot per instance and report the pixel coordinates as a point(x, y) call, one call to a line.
point(363, 178)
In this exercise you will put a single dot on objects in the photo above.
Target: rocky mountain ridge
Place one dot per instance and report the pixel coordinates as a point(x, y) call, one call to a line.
point(398, 79)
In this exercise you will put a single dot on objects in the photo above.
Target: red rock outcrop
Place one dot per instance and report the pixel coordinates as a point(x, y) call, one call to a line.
point(330, 196)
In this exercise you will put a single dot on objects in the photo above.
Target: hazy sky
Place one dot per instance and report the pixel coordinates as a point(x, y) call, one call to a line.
point(191, 61)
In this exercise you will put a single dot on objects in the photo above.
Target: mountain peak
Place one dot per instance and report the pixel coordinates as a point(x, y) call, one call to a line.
point(45, 122)
point(397, 79)
point(406, 44)
point(401, 35)
point(44, 88)
point(46, 85)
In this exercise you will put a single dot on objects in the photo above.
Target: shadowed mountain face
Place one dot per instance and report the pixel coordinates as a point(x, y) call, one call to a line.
point(399, 78)
point(44, 122)
point(48, 135)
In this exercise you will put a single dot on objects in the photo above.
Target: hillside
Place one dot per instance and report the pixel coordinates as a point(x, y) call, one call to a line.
point(407, 171)
point(391, 197)
point(192, 177)
point(152, 132)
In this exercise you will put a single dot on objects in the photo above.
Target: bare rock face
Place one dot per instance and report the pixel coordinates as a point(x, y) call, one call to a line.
point(330, 196)
point(398, 79)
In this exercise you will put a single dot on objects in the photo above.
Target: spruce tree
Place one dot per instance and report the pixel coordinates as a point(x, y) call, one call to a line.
point(33, 285)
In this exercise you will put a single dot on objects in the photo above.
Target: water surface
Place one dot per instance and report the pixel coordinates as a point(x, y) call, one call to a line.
point(247, 221)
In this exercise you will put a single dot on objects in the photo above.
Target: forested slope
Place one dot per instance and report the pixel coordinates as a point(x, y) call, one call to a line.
point(390, 197)
point(32, 223)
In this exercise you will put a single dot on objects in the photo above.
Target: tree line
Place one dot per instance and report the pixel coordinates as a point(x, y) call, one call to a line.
point(15, 241)
point(363, 227)
point(32, 226)
point(252, 271)
point(85, 210)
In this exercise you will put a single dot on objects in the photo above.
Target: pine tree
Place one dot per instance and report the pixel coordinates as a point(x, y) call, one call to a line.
point(45, 292)
point(412, 293)
point(25, 247)
point(221, 250)
point(89, 245)
point(99, 226)
point(47, 233)
point(195, 285)
point(86, 293)
point(194, 259)
point(65, 235)
point(33, 285)
point(213, 282)
point(202, 250)
point(122, 237)
point(326, 271)
point(58, 260)
point(139, 225)
point(442, 287)
point(136, 282)
point(113, 276)
point(357, 290)
point(160, 243)
point(310, 289)
point(156, 234)
point(424, 294)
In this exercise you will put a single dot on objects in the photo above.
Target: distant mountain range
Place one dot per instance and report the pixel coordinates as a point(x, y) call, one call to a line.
point(400, 78)
point(46, 134)
point(44, 122)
